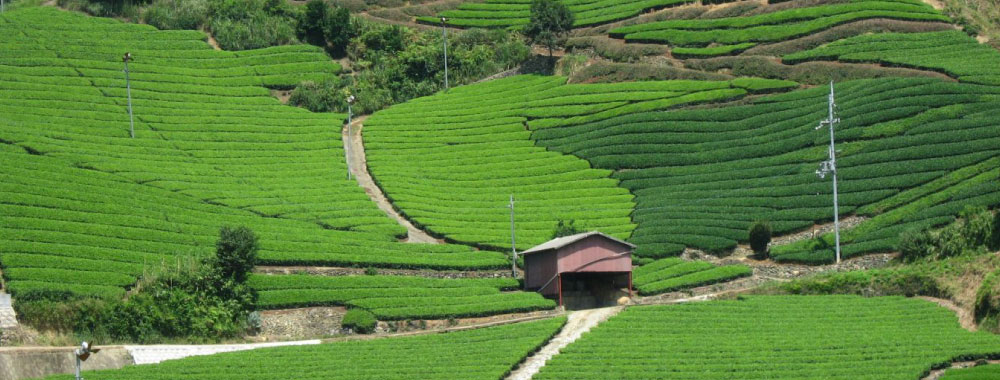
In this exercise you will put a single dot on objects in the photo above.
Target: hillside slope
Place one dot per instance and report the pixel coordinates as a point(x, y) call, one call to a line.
point(85, 204)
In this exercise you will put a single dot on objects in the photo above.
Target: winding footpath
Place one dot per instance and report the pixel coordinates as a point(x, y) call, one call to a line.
point(359, 169)
point(578, 323)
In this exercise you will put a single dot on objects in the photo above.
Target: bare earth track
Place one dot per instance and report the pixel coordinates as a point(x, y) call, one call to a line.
point(359, 169)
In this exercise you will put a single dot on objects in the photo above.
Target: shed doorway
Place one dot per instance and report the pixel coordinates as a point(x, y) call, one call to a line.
point(589, 290)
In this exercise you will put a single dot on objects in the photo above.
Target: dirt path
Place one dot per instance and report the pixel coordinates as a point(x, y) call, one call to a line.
point(359, 169)
point(965, 317)
point(579, 322)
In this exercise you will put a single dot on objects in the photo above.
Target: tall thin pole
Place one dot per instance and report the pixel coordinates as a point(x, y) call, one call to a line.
point(830, 166)
point(1, 6)
point(128, 91)
point(76, 354)
point(347, 151)
point(513, 245)
point(833, 165)
point(444, 34)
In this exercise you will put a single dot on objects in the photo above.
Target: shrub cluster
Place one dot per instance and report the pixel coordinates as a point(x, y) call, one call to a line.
point(206, 302)
point(975, 229)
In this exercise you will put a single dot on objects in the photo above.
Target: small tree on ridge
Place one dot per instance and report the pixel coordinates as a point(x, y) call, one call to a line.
point(550, 21)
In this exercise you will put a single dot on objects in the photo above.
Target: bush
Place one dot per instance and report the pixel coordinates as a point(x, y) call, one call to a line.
point(208, 303)
point(915, 244)
point(321, 26)
point(252, 24)
point(236, 253)
point(326, 96)
point(760, 237)
point(359, 320)
point(177, 14)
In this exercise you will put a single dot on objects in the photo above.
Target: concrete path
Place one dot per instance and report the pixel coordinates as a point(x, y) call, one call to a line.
point(158, 353)
point(7, 318)
point(578, 323)
point(359, 168)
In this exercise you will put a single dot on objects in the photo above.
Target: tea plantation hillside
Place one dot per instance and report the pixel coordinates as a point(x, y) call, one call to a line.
point(451, 161)
point(485, 354)
point(86, 208)
point(774, 338)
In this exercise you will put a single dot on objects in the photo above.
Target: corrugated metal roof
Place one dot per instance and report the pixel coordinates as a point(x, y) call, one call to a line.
point(560, 242)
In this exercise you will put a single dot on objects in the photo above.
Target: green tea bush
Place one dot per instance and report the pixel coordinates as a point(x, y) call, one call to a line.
point(359, 320)
point(760, 237)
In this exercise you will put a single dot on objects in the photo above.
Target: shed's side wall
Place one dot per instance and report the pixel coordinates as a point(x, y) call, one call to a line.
point(538, 269)
point(594, 254)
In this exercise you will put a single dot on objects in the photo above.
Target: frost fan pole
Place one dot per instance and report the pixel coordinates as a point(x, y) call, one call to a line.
point(513, 247)
point(347, 152)
point(444, 35)
point(830, 167)
point(128, 91)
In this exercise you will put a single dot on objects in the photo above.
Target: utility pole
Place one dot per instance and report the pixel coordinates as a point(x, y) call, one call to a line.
point(830, 166)
point(128, 91)
point(81, 354)
point(513, 246)
point(347, 151)
point(1, 6)
point(444, 33)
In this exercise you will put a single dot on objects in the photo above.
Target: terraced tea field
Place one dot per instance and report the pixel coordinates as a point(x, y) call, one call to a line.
point(399, 297)
point(773, 338)
point(86, 208)
point(673, 274)
point(702, 176)
point(450, 162)
point(730, 35)
point(485, 354)
point(515, 13)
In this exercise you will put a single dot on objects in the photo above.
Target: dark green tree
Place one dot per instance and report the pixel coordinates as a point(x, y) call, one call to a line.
point(236, 253)
point(565, 228)
point(337, 29)
point(550, 21)
point(313, 22)
point(760, 237)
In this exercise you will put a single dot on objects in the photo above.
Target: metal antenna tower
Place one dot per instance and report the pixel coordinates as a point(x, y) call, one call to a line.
point(830, 166)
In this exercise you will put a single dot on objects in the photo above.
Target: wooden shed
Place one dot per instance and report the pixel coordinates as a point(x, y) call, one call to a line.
point(578, 263)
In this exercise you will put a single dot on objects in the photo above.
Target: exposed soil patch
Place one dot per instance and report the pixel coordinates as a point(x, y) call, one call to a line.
point(212, 41)
point(293, 324)
point(282, 95)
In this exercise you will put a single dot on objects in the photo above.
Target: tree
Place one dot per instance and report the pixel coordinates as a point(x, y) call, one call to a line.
point(565, 229)
point(236, 253)
point(550, 21)
point(760, 237)
point(312, 23)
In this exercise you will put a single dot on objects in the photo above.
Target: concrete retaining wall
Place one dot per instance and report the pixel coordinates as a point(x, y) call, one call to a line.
point(29, 362)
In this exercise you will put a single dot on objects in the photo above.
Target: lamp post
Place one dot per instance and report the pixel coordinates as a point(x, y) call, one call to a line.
point(444, 33)
point(350, 114)
point(82, 354)
point(830, 167)
point(128, 91)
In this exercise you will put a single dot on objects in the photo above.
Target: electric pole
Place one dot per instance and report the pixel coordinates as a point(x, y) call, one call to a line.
point(513, 245)
point(444, 34)
point(128, 91)
point(830, 167)
point(347, 150)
